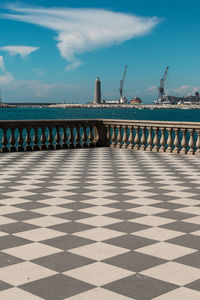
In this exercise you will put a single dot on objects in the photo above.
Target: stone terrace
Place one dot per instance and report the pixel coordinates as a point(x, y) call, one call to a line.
point(99, 224)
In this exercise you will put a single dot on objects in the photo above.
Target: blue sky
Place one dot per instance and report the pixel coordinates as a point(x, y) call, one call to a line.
point(54, 50)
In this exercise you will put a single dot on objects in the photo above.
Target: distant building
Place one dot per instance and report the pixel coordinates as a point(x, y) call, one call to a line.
point(135, 100)
point(97, 91)
point(111, 101)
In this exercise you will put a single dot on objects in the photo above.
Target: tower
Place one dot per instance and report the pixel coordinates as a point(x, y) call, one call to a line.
point(97, 91)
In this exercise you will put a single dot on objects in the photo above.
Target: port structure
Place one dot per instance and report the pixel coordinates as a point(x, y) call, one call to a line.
point(161, 89)
point(121, 88)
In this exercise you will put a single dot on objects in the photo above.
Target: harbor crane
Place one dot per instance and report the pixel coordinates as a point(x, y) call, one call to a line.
point(122, 98)
point(161, 89)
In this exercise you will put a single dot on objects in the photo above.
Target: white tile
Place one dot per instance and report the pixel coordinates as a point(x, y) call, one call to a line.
point(174, 273)
point(166, 250)
point(46, 221)
point(3, 233)
point(147, 210)
point(4, 220)
point(99, 221)
point(12, 201)
point(99, 210)
point(187, 201)
point(181, 293)
point(157, 233)
point(98, 251)
point(190, 210)
point(39, 234)
point(101, 273)
point(193, 220)
point(152, 220)
point(99, 234)
point(99, 294)
point(25, 187)
point(18, 194)
point(32, 251)
point(100, 194)
point(9, 210)
point(99, 201)
point(55, 201)
point(24, 272)
point(140, 194)
point(51, 210)
point(59, 194)
point(17, 294)
point(143, 201)
point(180, 194)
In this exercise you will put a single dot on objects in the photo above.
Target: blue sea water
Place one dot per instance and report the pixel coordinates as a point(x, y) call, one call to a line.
point(36, 113)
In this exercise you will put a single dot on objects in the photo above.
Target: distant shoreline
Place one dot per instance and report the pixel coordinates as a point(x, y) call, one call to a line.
point(102, 106)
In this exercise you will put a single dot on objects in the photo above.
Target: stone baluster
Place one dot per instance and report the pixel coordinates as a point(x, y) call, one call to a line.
point(162, 140)
point(143, 139)
point(96, 136)
point(198, 143)
point(58, 138)
point(191, 142)
point(20, 140)
point(91, 137)
point(5, 140)
point(12, 140)
point(156, 140)
point(137, 138)
point(125, 138)
point(184, 142)
point(84, 137)
point(64, 138)
point(176, 141)
point(36, 139)
point(78, 137)
point(50, 139)
point(169, 141)
point(71, 137)
point(130, 139)
point(119, 137)
point(149, 139)
point(43, 139)
point(113, 138)
point(28, 139)
point(108, 134)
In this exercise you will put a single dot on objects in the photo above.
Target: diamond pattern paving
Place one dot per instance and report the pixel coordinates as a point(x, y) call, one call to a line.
point(99, 224)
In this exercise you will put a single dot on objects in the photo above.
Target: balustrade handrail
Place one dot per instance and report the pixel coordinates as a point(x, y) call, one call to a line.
point(167, 124)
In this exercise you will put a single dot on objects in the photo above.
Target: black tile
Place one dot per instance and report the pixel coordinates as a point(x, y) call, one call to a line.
point(140, 287)
point(56, 287)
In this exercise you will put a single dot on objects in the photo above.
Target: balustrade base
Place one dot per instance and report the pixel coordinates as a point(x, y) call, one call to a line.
point(183, 152)
point(118, 146)
point(190, 152)
point(169, 150)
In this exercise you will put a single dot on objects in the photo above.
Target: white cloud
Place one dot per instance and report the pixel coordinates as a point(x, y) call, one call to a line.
point(186, 90)
point(38, 71)
point(35, 90)
point(23, 51)
point(81, 30)
point(2, 67)
point(6, 78)
point(151, 90)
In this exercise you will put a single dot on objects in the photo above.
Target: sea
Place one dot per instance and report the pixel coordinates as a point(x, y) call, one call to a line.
point(40, 113)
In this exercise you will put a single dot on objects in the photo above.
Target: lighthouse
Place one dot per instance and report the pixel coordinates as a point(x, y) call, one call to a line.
point(97, 91)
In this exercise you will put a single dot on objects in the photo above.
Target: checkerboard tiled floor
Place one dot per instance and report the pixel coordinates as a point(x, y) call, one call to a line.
point(99, 224)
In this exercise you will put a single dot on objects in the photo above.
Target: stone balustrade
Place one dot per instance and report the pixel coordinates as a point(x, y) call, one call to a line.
point(48, 134)
point(170, 137)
